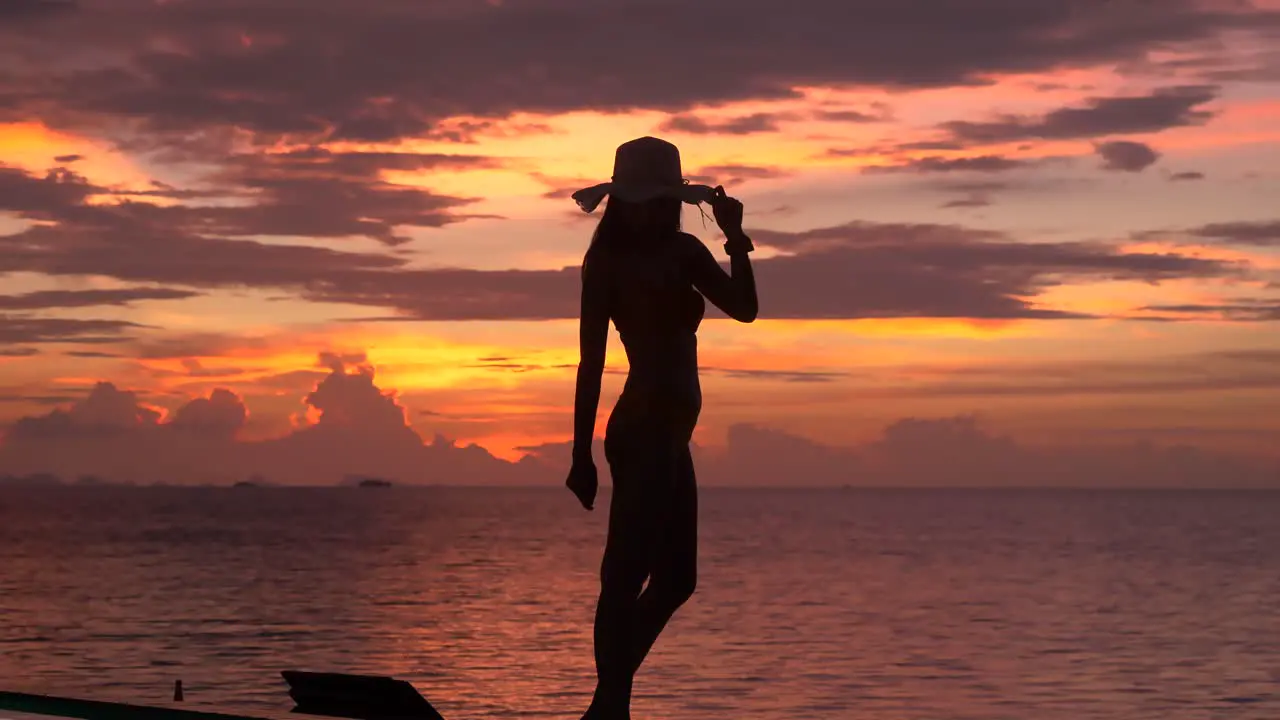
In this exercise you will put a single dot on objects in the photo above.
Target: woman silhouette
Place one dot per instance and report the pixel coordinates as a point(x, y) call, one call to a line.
point(650, 278)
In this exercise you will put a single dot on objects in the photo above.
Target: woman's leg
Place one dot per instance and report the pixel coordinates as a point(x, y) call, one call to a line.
point(674, 567)
point(623, 570)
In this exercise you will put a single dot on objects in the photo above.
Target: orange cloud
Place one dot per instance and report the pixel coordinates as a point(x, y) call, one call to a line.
point(35, 148)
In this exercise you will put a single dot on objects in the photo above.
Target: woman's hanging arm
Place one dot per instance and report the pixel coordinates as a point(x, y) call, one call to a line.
point(593, 335)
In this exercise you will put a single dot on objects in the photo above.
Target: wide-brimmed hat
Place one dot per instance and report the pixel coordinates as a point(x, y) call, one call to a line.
point(644, 169)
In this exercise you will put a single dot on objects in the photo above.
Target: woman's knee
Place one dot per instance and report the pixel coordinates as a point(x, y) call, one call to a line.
point(621, 576)
point(676, 587)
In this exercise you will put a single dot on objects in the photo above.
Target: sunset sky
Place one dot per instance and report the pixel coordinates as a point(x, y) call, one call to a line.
point(1052, 223)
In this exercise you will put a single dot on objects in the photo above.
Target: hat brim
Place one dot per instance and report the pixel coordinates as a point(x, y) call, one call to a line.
point(589, 198)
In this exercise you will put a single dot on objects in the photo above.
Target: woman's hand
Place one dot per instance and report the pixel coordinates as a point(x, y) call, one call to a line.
point(728, 213)
point(583, 481)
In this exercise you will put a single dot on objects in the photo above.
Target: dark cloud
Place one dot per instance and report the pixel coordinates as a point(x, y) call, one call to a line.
point(361, 428)
point(728, 175)
point(516, 364)
point(1164, 108)
point(95, 354)
point(19, 10)
point(951, 451)
point(879, 112)
point(851, 152)
point(744, 125)
point(34, 398)
point(176, 346)
point(849, 271)
point(44, 299)
point(512, 367)
point(1247, 63)
point(959, 451)
point(986, 186)
point(42, 198)
point(357, 428)
point(1183, 176)
point(792, 376)
point(1126, 155)
point(18, 352)
point(852, 116)
point(67, 158)
point(164, 190)
point(319, 193)
point(973, 190)
point(563, 188)
point(312, 193)
point(1251, 310)
point(1201, 373)
point(984, 163)
point(290, 380)
point(930, 145)
point(325, 69)
point(261, 168)
point(784, 210)
point(1262, 233)
point(141, 241)
point(352, 403)
point(337, 362)
point(106, 410)
point(1257, 356)
point(1207, 373)
point(132, 243)
point(855, 270)
point(973, 201)
point(899, 270)
point(222, 413)
point(21, 329)
point(456, 294)
point(194, 368)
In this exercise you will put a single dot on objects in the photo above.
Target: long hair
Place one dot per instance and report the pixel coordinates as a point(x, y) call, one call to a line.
point(614, 233)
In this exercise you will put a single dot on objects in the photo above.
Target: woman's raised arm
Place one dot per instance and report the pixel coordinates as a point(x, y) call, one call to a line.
point(735, 293)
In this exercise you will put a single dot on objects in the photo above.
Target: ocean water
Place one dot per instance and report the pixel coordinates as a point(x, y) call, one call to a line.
point(853, 604)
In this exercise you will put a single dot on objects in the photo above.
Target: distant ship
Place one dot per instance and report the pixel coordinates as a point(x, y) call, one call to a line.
point(254, 481)
point(366, 481)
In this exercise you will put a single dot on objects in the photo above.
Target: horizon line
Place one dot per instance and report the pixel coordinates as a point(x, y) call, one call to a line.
point(710, 486)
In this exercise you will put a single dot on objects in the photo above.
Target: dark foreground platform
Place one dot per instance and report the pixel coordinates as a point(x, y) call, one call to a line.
point(357, 697)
